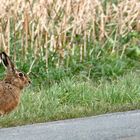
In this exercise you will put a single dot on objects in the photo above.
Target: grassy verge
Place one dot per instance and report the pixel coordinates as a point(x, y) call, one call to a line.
point(76, 97)
point(65, 39)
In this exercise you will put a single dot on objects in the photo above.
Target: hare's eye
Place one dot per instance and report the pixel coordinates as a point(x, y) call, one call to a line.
point(20, 74)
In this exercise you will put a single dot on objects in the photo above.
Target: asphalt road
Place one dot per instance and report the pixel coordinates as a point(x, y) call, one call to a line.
point(117, 126)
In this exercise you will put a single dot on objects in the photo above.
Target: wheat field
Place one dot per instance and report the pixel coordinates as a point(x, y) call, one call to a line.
point(64, 27)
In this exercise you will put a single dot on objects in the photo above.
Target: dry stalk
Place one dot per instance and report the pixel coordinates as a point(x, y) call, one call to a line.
point(58, 22)
point(31, 66)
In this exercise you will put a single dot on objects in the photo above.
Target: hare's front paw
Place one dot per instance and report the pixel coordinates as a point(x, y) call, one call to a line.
point(1, 113)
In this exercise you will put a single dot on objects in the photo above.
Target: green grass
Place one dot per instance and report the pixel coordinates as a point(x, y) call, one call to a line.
point(75, 97)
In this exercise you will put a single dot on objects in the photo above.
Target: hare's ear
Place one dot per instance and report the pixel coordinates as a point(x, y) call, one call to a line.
point(7, 62)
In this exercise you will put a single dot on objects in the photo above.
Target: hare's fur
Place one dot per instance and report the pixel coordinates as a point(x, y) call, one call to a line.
point(11, 86)
point(9, 97)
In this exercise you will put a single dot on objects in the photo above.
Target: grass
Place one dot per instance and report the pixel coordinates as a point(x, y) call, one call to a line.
point(76, 97)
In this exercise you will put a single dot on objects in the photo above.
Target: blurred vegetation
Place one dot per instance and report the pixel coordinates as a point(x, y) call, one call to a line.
point(107, 65)
point(91, 38)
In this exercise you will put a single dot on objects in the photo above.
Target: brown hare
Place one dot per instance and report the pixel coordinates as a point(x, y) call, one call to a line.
point(11, 86)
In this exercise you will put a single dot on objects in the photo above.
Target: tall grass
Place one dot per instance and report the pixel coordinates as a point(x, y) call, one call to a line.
point(60, 32)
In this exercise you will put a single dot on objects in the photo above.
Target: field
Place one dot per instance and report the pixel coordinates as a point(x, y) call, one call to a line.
point(82, 56)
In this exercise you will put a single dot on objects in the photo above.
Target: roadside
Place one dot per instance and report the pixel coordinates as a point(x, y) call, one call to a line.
point(73, 98)
point(116, 126)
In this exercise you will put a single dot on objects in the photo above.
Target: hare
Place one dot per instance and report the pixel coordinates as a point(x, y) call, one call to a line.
point(11, 86)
